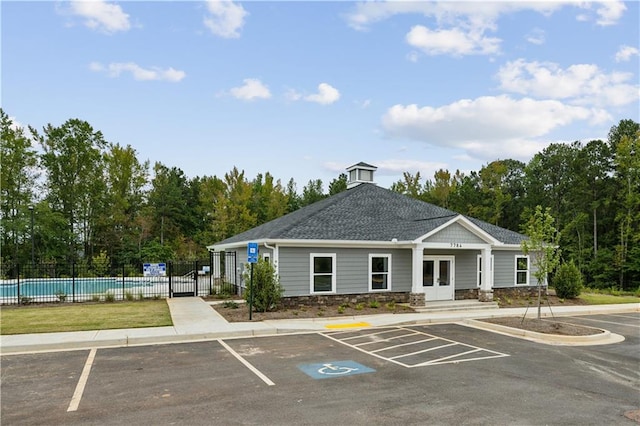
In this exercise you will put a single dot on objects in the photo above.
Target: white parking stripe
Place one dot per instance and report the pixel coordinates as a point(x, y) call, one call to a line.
point(444, 359)
point(77, 395)
point(387, 339)
point(423, 351)
point(624, 316)
point(403, 344)
point(465, 349)
point(607, 322)
point(247, 364)
point(369, 334)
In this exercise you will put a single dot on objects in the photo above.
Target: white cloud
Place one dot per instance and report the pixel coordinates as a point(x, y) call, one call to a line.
point(487, 127)
point(292, 95)
point(252, 89)
point(582, 84)
point(225, 18)
point(115, 69)
point(536, 36)
point(413, 56)
point(610, 12)
point(462, 26)
point(625, 53)
point(326, 95)
point(15, 125)
point(101, 16)
point(455, 41)
point(477, 13)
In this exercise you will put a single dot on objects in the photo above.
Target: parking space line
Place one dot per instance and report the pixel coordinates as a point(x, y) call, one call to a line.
point(443, 360)
point(368, 334)
point(403, 344)
point(82, 382)
point(624, 316)
point(386, 339)
point(247, 364)
point(423, 351)
point(607, 322)
point(455, 358)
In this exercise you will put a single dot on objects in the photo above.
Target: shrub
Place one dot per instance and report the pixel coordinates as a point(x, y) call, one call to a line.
point(230, 304)
point(374, 304)
point(128, 296)
point(100, 264)
point(568, 281)
point(109, 297)
point(267, 291)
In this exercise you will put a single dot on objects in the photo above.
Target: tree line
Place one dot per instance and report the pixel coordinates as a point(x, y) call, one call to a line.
point(77, 196)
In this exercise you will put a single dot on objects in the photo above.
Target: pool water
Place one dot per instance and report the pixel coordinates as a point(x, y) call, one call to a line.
point(68, 286)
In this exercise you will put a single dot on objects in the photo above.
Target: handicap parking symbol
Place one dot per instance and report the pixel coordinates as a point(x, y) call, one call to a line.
point(332, 369)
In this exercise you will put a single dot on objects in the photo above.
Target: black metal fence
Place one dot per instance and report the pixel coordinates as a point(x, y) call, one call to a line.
point(80, 282)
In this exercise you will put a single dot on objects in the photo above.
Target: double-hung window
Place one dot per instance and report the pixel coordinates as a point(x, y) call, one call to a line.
point(522, 270)
point(379, 272)
point(323, 272)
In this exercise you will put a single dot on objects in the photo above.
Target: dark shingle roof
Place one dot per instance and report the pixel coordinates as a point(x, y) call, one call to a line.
point(364, 213)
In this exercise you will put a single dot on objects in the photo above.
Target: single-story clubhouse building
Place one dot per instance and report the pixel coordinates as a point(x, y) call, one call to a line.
point(372, 241)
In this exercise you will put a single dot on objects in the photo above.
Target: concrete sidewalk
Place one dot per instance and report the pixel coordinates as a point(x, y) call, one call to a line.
point(195, 320)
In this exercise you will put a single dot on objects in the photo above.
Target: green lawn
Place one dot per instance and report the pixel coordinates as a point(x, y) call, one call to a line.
point(83, 316)
point(605, 299)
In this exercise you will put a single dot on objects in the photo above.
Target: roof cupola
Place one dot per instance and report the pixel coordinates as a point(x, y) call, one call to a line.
point(360, 173)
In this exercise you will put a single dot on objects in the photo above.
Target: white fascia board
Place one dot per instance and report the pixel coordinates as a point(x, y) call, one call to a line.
point(316, 243)
point(467, 224)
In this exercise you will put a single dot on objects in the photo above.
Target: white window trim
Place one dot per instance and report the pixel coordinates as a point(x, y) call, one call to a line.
point(515, 267)
point(479, 266)
point(371, 256)
point(266, 257)
point(312, 256)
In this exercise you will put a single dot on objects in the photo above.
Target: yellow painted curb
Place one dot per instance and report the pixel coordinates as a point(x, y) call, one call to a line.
point(349, 325)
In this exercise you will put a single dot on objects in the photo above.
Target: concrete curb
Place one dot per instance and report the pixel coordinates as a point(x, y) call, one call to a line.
point(602, 337)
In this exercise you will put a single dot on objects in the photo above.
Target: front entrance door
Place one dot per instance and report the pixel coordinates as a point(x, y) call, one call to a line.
point(438, 277)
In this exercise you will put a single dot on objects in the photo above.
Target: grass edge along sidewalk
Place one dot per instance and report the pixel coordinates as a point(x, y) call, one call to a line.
point(83, 317)
point(52, 318)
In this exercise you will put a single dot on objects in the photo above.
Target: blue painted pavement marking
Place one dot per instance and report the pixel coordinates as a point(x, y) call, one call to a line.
point(332, 369)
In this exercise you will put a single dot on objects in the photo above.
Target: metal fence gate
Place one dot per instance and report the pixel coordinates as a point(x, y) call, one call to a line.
point(75, 282)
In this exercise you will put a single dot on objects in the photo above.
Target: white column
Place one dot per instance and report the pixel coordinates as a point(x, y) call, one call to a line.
point(486, 287)
point(416, 274)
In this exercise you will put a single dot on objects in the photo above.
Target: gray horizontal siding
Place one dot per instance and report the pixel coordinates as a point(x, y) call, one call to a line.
point(352, 269)
point(455, 233)
point(505, 269)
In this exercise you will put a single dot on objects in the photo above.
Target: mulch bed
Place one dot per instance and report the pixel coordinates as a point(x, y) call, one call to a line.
point(241, 312)
point(547, 326)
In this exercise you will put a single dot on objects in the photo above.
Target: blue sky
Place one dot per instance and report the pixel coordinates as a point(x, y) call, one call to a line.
point(304, 89)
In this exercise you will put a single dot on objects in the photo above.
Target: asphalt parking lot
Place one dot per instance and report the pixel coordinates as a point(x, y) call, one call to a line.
point(419, 374)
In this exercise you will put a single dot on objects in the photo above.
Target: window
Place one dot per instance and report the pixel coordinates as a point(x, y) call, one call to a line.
point(266, 257)
point(479, 269)
point(323, 272)
point(379, 272)
point(522, 270)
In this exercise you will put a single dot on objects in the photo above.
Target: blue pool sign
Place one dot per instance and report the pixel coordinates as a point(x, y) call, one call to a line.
point(154, 269)
point(252, 252)
point(333, 369)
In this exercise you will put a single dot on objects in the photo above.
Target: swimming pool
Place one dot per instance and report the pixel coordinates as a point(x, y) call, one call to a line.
point(81, 286)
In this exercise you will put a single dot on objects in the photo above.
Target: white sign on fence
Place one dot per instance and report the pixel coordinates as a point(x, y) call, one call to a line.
point(154, 269)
